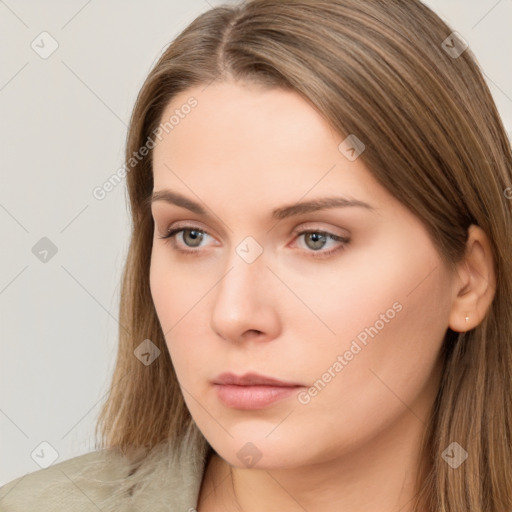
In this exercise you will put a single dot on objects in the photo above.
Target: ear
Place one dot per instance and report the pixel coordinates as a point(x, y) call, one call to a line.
point(476, 284)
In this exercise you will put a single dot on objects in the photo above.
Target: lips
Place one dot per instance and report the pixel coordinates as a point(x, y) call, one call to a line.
point(252, 391)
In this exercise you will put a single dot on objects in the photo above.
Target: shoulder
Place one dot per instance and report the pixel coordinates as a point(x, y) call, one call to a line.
point(165, 479)
point(77, 484)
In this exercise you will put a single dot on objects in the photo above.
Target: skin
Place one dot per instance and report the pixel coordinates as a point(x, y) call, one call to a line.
point(241, 153)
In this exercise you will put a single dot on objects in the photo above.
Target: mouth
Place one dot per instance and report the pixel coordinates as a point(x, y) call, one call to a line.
point(252, 391)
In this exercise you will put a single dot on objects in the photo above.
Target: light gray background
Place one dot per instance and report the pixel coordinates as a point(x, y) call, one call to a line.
point(62, 133)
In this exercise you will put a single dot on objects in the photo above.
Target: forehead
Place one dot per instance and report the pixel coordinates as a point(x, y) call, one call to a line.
point(243, 141)
point(246, 120)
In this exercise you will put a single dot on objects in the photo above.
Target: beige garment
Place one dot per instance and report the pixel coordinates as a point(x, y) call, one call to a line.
point(103, 481)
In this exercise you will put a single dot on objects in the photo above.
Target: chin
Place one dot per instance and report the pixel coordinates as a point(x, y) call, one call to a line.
point(258, 452)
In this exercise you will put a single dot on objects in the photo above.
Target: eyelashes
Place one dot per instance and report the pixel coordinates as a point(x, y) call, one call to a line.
point(171, 237)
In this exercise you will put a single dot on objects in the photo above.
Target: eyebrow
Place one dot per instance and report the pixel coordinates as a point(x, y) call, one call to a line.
point(284, 212)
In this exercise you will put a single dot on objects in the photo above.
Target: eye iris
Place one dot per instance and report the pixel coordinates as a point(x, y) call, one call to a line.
point(316, 238)
point(197, 237)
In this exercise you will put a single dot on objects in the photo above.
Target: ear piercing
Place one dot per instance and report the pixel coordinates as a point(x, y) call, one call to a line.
point(467, 318)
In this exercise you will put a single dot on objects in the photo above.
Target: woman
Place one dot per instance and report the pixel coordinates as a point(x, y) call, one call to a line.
point(319, 270)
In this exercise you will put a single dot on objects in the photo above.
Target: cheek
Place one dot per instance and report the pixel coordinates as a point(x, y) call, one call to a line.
point(395, 290)
point(177, 299)
point(174, 292)
point(365, 293)
point(389, 324)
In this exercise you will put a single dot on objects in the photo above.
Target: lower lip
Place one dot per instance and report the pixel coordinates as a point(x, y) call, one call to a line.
point(253, 397)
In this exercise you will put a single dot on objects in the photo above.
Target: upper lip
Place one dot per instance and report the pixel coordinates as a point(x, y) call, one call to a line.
point(251, 379)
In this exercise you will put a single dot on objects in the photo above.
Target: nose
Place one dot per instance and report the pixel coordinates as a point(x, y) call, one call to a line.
point(245, 305)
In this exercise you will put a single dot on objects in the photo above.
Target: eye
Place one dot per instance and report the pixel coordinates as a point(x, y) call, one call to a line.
point(317, 239)
point(192, 236)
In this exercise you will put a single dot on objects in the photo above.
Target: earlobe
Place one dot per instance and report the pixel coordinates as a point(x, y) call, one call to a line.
point(476, 284)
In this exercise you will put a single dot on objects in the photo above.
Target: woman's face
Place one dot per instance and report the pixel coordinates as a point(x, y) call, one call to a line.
point(353, 312)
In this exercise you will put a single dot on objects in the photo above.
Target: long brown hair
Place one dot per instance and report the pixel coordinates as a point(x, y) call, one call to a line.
point(381, 70)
